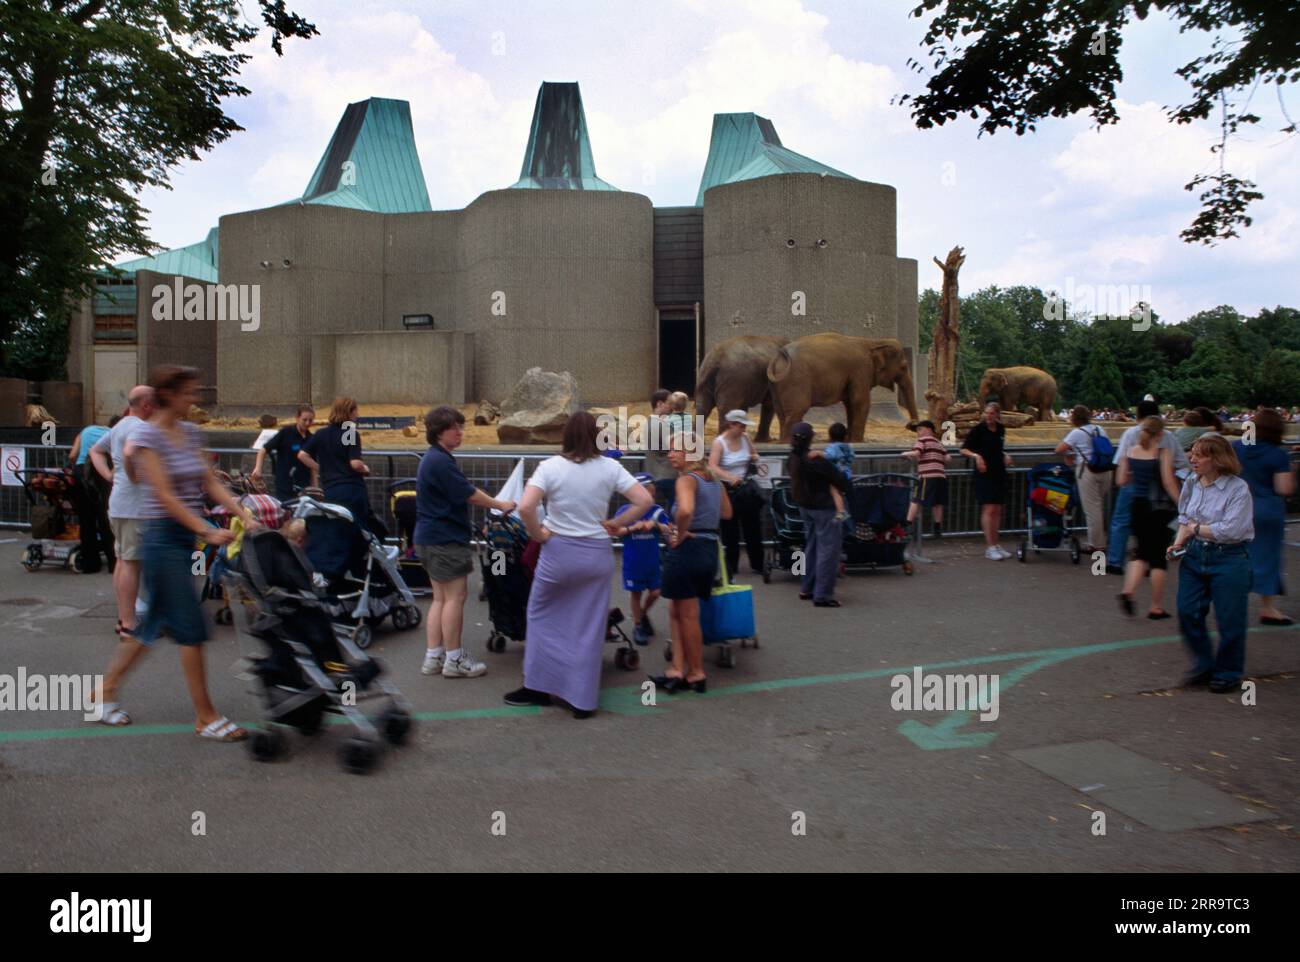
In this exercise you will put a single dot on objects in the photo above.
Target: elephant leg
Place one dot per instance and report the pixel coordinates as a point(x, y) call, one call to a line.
point(765, 420)
point(791, 406)
point(859, 411)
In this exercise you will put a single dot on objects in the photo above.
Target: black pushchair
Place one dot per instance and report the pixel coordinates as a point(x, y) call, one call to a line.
point(310, 668)
point(507, 561)
point(877, 506)
point(1051, 502)
point(787, 528)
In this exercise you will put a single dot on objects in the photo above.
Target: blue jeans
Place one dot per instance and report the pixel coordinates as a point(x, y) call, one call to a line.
point(1218, 575)
point(822, 543)
point(166, 563)
point(1120, 522)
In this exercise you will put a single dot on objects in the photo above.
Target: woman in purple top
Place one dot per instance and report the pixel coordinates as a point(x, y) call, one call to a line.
point(165, 456)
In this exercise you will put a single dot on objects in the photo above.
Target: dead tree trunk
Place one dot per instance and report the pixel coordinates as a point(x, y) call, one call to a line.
point(942, 389)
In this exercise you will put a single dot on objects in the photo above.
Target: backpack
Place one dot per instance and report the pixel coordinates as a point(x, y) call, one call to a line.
point(1103, 453)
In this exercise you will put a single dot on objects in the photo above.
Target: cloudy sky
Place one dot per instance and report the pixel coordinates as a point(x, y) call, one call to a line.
point(1067, 205)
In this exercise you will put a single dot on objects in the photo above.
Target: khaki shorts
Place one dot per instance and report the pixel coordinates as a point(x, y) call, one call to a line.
point(126, 535)
point(446, 562)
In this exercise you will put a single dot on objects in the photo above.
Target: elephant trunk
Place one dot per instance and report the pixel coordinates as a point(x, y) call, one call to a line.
point(907, 393)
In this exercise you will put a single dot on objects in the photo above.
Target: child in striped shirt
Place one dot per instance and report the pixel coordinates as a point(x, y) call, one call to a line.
point(931, 476)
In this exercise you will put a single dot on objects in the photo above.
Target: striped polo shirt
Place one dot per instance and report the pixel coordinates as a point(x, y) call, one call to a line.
point(932, 460)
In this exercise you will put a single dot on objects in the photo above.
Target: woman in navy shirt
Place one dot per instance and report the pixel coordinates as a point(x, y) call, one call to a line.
point(1266, 467)
point(333, 455)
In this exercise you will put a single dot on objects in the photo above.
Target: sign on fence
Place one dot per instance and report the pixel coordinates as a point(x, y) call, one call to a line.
point(12, 460)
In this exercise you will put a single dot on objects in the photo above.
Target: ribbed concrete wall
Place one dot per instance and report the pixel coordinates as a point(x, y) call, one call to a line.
point(175, 341)
point(333, 284)
point(751, 273)
point(576, 270)
point(394, 367)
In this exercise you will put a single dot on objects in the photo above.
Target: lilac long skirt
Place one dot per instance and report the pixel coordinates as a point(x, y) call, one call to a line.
point(568, 610)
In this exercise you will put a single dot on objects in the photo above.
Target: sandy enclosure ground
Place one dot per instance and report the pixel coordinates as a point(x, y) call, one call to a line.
point(880, 433)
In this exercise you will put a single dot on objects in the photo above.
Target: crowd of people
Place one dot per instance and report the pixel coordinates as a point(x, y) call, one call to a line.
point(1187, 493)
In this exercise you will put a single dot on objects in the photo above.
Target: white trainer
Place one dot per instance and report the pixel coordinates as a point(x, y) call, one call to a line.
point(463, 667)
point(432, 663)
point(993, 554)
point(1003, 551)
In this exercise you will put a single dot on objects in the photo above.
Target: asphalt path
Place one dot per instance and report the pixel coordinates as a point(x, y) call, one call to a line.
point(795, 759)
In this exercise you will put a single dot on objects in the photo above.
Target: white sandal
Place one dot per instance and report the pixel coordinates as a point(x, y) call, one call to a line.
point(110, 714)
point(222, 730)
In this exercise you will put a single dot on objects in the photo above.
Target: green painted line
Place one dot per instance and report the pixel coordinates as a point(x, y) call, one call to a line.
point(627, 700)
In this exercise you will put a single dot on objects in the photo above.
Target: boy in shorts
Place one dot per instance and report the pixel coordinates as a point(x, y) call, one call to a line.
point(641, 565)
point(931, 476)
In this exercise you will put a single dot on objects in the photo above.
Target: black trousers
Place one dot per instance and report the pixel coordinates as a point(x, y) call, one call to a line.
point(90, 498)
point(746, 518)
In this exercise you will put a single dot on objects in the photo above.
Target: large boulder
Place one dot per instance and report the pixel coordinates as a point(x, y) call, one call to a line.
point(532, 427)
point(537, 408)
point(540, 390)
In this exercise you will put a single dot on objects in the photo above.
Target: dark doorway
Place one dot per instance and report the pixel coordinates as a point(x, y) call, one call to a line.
point(677, 349)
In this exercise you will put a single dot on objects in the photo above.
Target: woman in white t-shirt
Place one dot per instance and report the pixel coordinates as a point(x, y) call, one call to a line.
point(1094, 486)
point(568, 606)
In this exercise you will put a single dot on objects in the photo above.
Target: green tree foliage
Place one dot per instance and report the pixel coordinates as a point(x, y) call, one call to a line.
point(1213, 357)
point(100, 99)
point(1101, 385)
point(1012, 63)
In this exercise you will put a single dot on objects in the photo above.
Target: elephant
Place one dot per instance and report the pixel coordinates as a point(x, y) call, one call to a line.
point(734, 375)
point(824, 369)
point(1011, 385)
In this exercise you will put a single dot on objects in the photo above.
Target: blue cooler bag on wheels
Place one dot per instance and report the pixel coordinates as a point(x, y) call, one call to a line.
point(728, 614)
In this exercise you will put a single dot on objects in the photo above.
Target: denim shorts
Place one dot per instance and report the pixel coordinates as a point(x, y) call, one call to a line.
point(166, 573)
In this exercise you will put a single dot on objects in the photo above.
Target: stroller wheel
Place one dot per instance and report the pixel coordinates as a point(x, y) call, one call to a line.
point(74, 560)
point(362, 636)
point(1075, 552)
point(627, 660)
point(497, 642)
point(726, 656)
point(668, 651)
point(358, 755)
point(267, 745)
point(1022, 552)
point(400, 619)
point(32, 557)
point(396, 725)
point(415, 616)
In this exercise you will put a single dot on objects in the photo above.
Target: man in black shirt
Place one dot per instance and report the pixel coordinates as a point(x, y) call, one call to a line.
point(291, 475)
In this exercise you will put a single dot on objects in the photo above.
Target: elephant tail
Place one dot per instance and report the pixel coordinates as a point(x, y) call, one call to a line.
point(779, 366)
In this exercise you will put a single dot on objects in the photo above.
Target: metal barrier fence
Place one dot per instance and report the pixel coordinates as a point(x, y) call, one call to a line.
point(489, 471)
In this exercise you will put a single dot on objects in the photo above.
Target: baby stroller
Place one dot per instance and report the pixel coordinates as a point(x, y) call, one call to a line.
point(506, 579)
point(56, 531)
point(368, 596)
point(310, 668)
point(877, 504)
point(401, 501)
point(788, 529)
point(1051, 503)
point(266, 511)
point(507, 561)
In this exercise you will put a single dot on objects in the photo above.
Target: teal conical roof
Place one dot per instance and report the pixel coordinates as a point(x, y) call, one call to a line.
point(746, 146)
point(558, 155)
point(198, 261)
point(371, 162)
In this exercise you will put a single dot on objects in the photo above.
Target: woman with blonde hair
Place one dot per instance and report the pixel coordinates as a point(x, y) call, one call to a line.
point(1149, 466)
point(333, 455)
point(1216, 525)
point(690, 563)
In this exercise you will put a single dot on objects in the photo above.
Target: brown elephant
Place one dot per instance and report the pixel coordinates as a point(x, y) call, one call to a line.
point(824, 369)
point(1009, 386)
point(734, 375)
